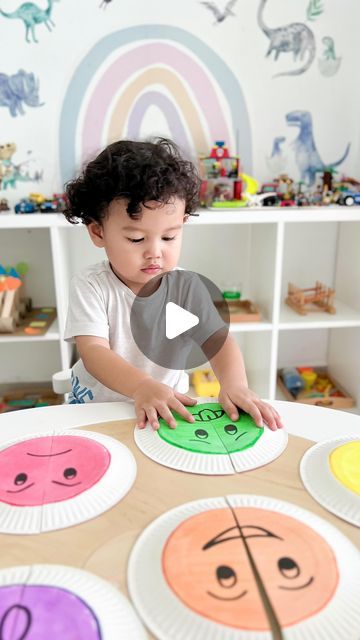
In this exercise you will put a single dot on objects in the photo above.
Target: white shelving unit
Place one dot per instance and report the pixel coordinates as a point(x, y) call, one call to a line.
point(263, 249)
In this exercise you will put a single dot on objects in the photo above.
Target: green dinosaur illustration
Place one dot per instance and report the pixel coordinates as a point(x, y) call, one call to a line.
point(329, 51)
point(31, 15)
point(314, 9)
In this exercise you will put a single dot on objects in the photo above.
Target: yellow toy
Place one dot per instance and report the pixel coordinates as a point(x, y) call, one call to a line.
point(205, 383)
point(37, 198)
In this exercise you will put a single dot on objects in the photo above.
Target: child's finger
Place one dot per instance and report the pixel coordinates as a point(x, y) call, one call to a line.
point(230, 409)
point(166, 414)
point(254, 411)
point(179, 408)
point(140, 418)
point(152, 417)
point(187, 400)
point(268, 415)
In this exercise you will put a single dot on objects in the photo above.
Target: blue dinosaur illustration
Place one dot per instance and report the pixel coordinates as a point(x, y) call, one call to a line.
point(277, 150)
point(276, 162)
point(295, 37)
point(306, 154)
point(31, 15)
point(18, 88)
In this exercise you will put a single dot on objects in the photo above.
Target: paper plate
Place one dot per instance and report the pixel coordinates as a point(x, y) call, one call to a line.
point(116, 474)
point(322, 484)
point(269, 447)
point(169, 616)
point(221, 459)
point(32, 597)
point(164, 453)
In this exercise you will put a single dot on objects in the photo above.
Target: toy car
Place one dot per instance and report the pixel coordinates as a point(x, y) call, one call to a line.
point(25, 206)
point(349, 198)
point(49, 206)
point(38, 198)
point(265, 199)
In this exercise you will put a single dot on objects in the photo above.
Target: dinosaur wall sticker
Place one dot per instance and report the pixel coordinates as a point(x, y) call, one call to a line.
point(296, 38)
point(18, 89)
point(11, 173)
point(31, 15)
point(219, 14)
point(329, 64)
point(306, 154)
point(277, 161)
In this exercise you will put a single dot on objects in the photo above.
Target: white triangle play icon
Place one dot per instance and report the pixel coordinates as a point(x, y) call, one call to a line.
point(178, 320)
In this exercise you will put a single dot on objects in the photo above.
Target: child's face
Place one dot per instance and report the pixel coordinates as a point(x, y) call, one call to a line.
point(140, 249)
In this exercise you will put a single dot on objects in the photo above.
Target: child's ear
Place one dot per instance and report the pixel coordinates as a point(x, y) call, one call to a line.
point(185, 218)
point(95, 231)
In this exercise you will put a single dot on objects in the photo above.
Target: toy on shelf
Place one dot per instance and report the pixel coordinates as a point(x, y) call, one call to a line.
point(301, 300)
point(292, 380)
point(11, 305)
point(38, 203)
point(313, 385)
point(28, 398)
point(221, 182)
point(348, 191)
point(205, 383)
point(4, 205)
point(16, 313)
point(238, 310)
point(281, 191)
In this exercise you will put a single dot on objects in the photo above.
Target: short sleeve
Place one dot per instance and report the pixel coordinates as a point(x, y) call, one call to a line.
point(87, 314)
point(210, 320)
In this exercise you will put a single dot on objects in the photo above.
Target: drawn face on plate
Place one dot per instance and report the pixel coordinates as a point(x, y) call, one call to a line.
point(213, 432)
point(345, 465)
point(42, 612)
point(206, 563)
point(50, 469)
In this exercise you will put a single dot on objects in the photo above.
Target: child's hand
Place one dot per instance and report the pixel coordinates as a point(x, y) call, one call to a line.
point(233, 396)
point(153, 399)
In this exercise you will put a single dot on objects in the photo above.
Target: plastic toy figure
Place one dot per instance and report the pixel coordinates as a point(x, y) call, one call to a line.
point(217, 170)
point(4, 205)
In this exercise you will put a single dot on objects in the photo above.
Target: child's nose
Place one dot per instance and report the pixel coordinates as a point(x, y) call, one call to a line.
point(153, 249)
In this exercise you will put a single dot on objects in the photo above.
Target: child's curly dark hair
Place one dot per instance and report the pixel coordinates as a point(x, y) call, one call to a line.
point(136, 171)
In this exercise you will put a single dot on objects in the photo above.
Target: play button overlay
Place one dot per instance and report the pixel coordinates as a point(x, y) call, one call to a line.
point(179, 320)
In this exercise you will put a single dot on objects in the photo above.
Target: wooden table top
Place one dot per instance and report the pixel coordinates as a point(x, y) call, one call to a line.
point(103, 545)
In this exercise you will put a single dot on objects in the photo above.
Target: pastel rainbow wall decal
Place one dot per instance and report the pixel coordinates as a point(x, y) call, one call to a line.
point(131, 70)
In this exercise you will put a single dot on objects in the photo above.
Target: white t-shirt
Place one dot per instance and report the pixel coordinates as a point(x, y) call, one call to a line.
point(100, 305)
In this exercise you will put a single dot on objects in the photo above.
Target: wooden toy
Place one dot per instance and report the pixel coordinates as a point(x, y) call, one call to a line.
point(16, 313)
point(10, 284)
point(320, 296)
point(205, 383)
point(28, 398)
point(320, 389)
point(240, 310)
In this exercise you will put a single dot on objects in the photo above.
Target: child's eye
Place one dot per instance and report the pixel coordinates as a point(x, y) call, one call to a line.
point(135, 239)
point(167, 239)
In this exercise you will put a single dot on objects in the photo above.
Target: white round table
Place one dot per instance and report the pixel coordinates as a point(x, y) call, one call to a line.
point(304, 420)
